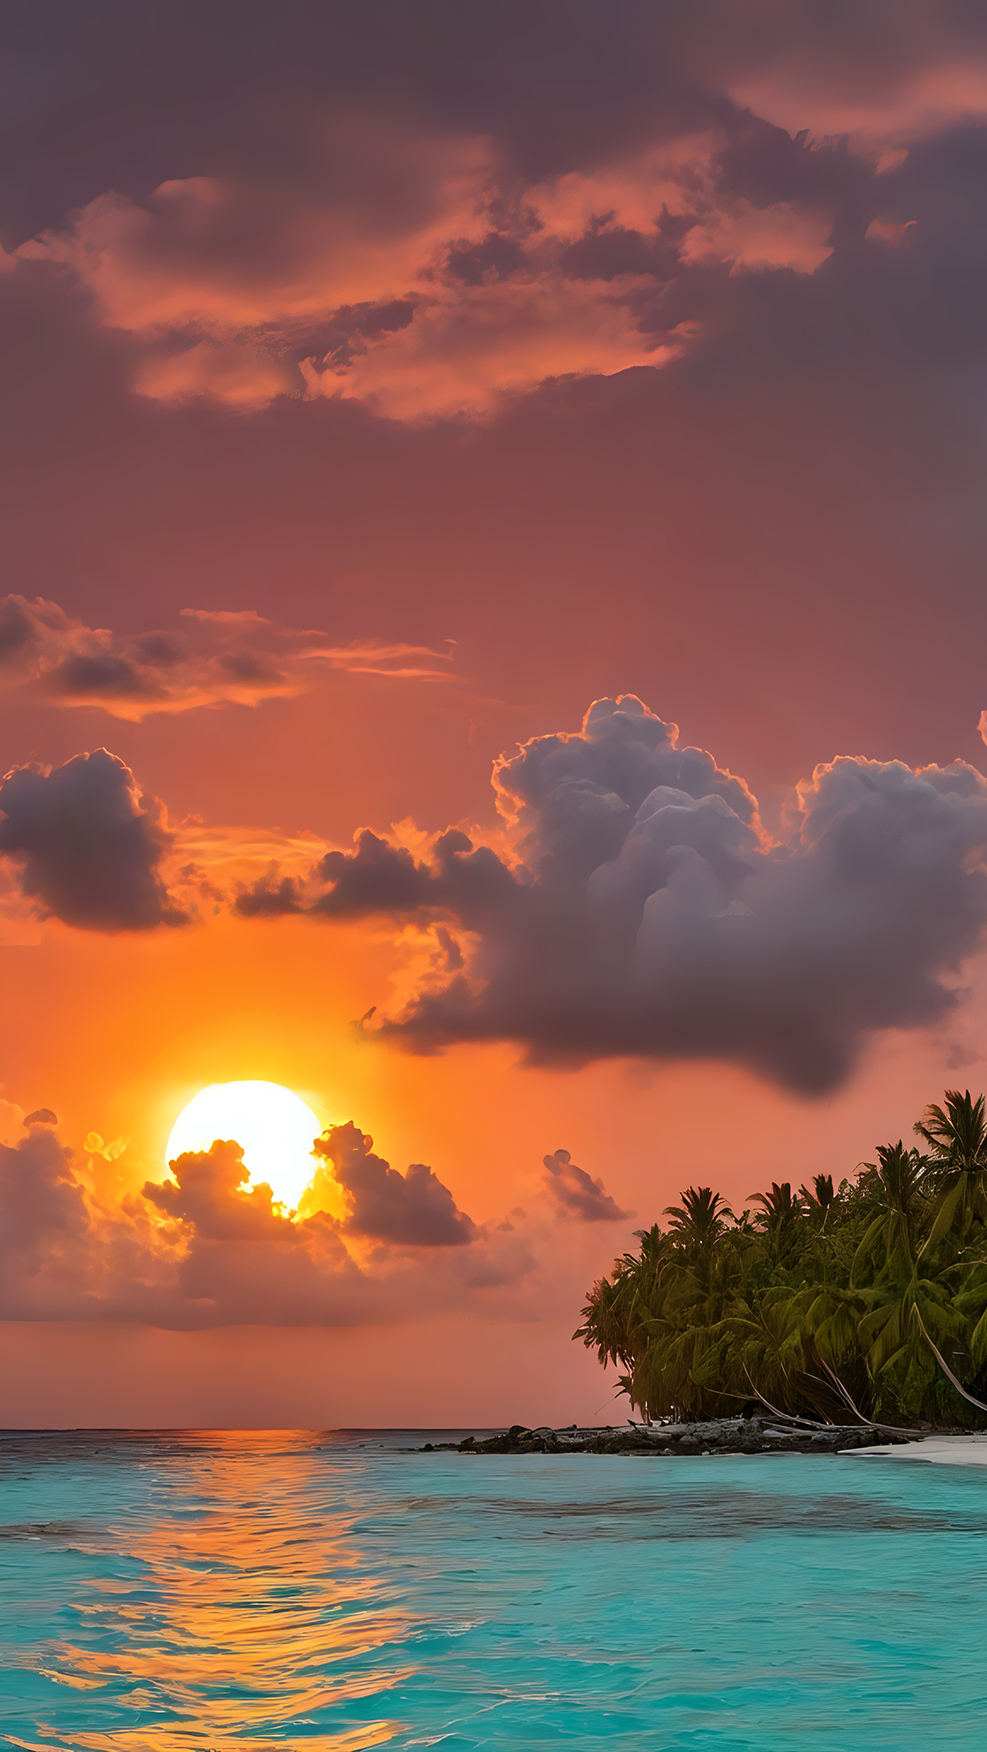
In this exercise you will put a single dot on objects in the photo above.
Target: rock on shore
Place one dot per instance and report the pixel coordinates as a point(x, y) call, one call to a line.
point(737, 1435)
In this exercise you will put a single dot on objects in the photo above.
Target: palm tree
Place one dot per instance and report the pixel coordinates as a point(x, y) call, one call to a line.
point(899, 1196)
point(958, 1135)
point(779, 1217)
point(695, 1289)
point(701, 1217)
point(821, 1198)
point(766, 1350)
point(958, 1161)
point(779, 1205)
point(619, 1306)
point(870, 1299)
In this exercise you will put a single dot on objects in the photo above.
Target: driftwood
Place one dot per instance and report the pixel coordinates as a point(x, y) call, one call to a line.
point(750, 1435)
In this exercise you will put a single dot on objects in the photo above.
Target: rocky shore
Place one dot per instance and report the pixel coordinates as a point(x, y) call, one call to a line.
point(739, 1435)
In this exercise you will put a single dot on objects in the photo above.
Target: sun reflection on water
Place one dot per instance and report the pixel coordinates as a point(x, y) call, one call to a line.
point(237, 1619)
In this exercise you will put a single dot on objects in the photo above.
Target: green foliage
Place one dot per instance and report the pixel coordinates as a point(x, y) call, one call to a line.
point(869, 1298)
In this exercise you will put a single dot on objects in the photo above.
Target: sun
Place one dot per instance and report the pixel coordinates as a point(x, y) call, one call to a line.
point(275, 1127)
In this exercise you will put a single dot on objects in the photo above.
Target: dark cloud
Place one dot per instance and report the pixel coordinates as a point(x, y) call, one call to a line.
point(763, 164)
point(379, 877)
point(99, 677)
point(220, 658)
point(385, 876)
point(607, 251)
point(546, 71)
point(407, 1210)
point(88, 844)
point(648, 913)
point(494, 257)
point(559, 80)
point(577, 1194)
point(270, 897)
point(353, 326)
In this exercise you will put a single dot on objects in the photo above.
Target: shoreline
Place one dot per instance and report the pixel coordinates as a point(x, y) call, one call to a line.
point(753, 1435)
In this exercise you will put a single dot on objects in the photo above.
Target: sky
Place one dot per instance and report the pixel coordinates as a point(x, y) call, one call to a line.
point(491, 639)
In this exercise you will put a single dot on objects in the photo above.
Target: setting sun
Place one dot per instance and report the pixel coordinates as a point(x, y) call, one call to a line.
point(274, 1126)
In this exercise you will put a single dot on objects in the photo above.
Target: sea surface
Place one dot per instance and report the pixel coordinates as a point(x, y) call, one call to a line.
point(196, 1592)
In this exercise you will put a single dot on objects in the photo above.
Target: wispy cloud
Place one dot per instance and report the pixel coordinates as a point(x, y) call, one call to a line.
point(218, 657)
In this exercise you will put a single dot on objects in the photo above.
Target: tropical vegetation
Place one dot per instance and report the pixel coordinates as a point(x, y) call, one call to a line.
point(866, 1300)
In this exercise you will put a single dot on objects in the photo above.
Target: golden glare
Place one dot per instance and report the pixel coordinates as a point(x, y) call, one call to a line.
point(274, 1127)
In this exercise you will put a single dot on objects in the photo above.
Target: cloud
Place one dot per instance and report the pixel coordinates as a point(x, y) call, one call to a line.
point(43, 1207)
point(428, 277)
point(209, 1191)
point(381, 877)
point(219, 657)
point(756, 240)
point(62, 1255)
point(408, 1210)
point(908, 100)
point(88, 845)
point(432, 234)
point(470, 346)
point(643, 910)
point(206, 1248)
point(577, 1194)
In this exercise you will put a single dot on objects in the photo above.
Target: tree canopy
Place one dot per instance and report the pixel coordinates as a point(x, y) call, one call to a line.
point(865, 1300)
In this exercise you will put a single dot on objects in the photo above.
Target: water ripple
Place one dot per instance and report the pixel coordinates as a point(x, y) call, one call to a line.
point(196, 1592)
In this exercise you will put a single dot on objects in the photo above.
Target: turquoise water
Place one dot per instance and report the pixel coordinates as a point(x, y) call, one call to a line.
point(190, 1593)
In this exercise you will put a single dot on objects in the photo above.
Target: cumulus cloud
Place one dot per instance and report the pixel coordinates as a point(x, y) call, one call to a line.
point(381, 877)
point(408, 1210)
point(88, 845)
point(644, 910)
point(63, 1255)
point(218, 657)
point(206, 1248)
point(44, 1217)
point(577, 1194)
point(209, 1191)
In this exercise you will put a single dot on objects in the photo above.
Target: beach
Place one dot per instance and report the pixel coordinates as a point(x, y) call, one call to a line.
point(963, 1450)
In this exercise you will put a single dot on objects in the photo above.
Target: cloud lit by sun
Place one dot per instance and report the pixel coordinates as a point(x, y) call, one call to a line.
point(273, 1125)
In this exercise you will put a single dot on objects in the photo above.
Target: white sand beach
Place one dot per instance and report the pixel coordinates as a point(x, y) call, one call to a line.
point(969, 1450)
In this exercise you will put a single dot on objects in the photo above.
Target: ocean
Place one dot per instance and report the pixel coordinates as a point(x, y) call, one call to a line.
point(193, 1592)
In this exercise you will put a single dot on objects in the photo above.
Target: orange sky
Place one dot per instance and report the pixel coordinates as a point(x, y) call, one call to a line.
point(369, 415)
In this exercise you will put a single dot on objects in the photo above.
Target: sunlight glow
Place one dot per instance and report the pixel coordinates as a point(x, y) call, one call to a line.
point(275, 1127)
